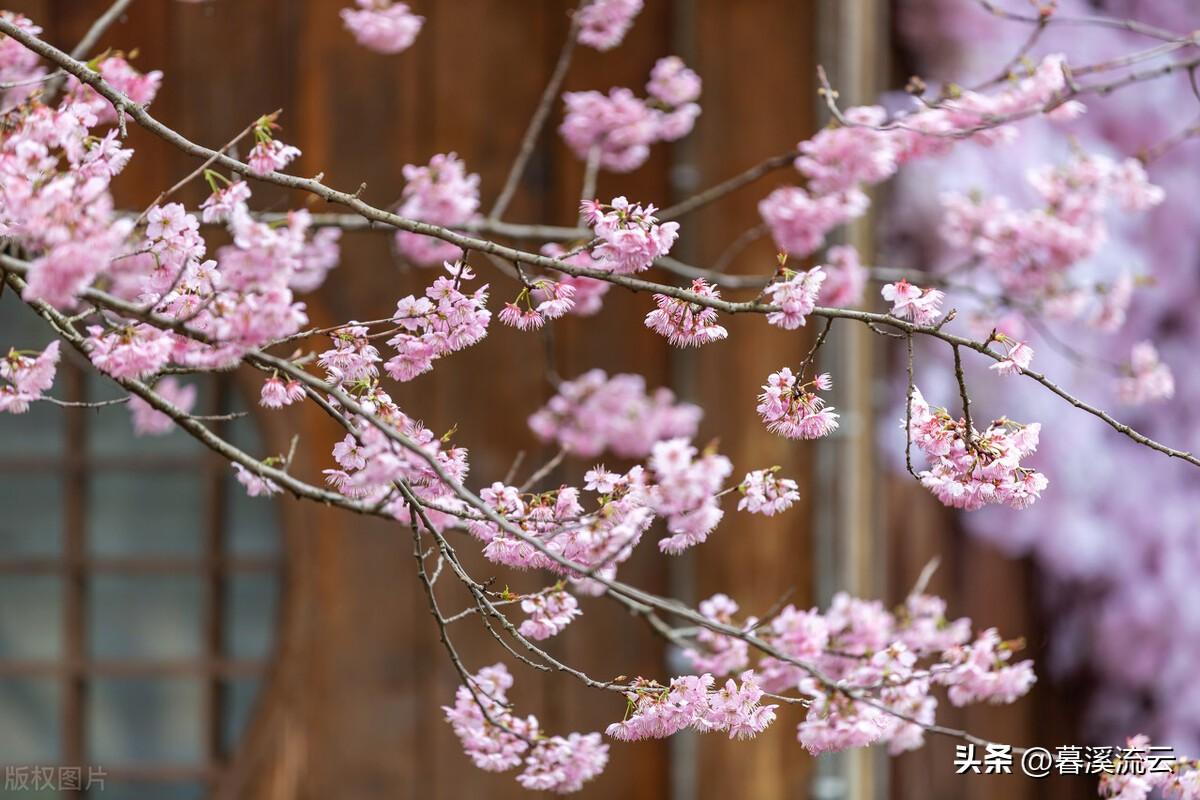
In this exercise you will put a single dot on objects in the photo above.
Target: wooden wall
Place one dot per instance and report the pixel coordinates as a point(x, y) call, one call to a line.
point(354, 707)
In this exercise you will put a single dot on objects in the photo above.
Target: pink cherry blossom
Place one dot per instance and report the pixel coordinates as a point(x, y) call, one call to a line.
point(548, 614)
point(1148, 378)
point(255, 485)
point(220, 205)
point(799, 221)
point(276, 393)
point(594, 413)
point(794, 410)
point(845, 277)
point(148, 420)
point(765, 493)
point(684, 492)
point(604, 23)
point(134, 351)
point(969, 469)
point(27, 377)
point(588, 297)
point(715, 652)
point(672, 83)
point(796, 295)
point(497, 740)
point(271, 156)
point(841, 157)
point(442, 322)
point(686, 324)
point(442, 193)
point(621, 127)
point(690, 702)
point(383, 25)
point(631, 236)
point(922, 306)
point(1020, 355)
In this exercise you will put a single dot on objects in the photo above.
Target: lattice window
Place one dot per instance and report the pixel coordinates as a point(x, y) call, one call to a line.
point(138, 590)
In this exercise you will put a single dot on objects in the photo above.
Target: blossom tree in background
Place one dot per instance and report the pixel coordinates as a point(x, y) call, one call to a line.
point(145, 300)
point(1118, 527)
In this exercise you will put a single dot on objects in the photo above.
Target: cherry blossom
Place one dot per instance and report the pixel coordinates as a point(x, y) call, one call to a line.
point(793, 409)
point(1020, 355)
point(383, 25)
point(497, 740)
point(631, 236)
point(684, 492)
point(604, 23)
point(686, 324)
point(845, 277)
point(765, 493)
point(27, 377)
point(657, 712)
point(548, 614)
point(442, 193)
point(588, 297)
point(271, 155)
point(799, 221)
point(922, 306)
point(277, 393)
point(969, 469)
point(595, 412)
point(255, 485)
point(1148, 378)
point(444, 321)
point(148, 420)
point(621, 127)
point(796, 295)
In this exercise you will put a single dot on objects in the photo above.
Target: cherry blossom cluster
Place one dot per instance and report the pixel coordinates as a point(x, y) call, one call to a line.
point(382, 25)
point(444, 321)
point(442, 193)
point(922, 306)
point(796, 295)
point(969, 469)
point(370, 463)
point(600, 540)
point(497, 740)
point(679, 484)
point(631, 236)
point(845, 277)
point(594, 413)
point(1030, 252)
point(862, 148)
point(148, 420)
point(54, 181)
point(588, 296)
point(656, 712)
point(1148, 378)
point(116, 69)
point(20, 68)
point(544, 300)
point(685, 491)
point(868, 673)
point(1132, 777)
point(1017, 359)
point(764, 492)
point(604, 23)
point(28, 376)
point(684, 323)
point(1095, 533)
point(549, 613)
point(793, 409)
point(622, 126)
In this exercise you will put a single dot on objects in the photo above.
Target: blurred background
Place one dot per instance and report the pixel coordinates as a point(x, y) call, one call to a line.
point(195, 643)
